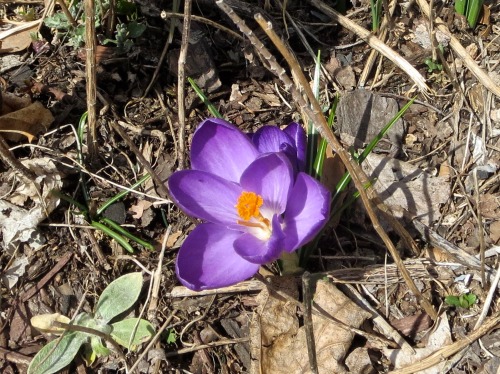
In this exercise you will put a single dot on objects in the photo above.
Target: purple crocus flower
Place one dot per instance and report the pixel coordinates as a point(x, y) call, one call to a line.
point(254, 198)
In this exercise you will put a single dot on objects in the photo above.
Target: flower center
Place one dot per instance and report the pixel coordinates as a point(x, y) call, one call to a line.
point(248, 209)
point(248, 205)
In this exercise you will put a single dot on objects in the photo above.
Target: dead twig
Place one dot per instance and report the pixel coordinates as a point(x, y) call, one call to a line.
point(181, 81)
point(145, 164)
point(368, 195)
point(489, 299)
point(14, 357)
point(451, 349)
point(159, 66)
point(90, 74)
point(42, 282)
point(152, 342)
point(463, 55)
point(374, 43)
point(315, 115)
point(10, 160)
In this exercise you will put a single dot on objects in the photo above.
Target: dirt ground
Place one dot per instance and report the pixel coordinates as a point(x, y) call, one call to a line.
point(436, 170)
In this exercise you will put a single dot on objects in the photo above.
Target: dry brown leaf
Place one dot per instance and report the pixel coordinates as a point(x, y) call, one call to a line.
point(172, 239)
point(490, 205)
point(139, 208)
point(281, 345)
point(18, 38)
point(333, 170)
point(33, 119)
point(495, 231)
point(404, 186)
point(18, 224)
point(438, 338)
point(11, 102)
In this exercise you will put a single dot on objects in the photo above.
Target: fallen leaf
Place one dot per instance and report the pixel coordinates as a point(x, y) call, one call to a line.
point(412, 324)
point(438, 338)
point(33, 119)
point(11, 102)
point(139, 208)
point(18, 37)
point(172, 238)
point(490, 205)
point(282, 343)
point(16, 270)
point(402, 185)
point(495, 231)
point(19, 224)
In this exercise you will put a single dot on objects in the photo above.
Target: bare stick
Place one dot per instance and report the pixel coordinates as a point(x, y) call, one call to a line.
point(90, 73)
point(9, 159)
point(181, 80)
point(480, 74)
point(358, 176)
point(375, 43)
point(448, 351)
point(489, 299)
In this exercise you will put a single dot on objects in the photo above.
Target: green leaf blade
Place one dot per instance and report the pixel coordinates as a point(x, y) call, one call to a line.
point(120, 295)
point(57, 354)
point(123, 330)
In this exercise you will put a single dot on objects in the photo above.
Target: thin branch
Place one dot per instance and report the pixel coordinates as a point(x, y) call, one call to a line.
point(358, 176)
point(181, 81)
point(90, 74)
point(375, 43)
point(463, 55)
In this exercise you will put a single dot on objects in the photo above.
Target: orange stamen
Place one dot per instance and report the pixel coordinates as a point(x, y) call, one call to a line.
point(248, 205)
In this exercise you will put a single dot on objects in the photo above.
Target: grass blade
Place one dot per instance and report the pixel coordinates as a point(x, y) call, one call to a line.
point(118, 196)
point(120, 230)
point(120, 239)
point(211, 108)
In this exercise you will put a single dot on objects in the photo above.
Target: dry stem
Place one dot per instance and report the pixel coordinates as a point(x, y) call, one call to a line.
point(480, 74)
point(375, 43)
point(181, 80)
point(316, 116)
point(90, 73)
point(448, 351)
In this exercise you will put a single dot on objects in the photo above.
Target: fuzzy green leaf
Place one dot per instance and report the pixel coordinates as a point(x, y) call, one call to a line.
point(123, 330)
point(119, 296)
point(57, 354)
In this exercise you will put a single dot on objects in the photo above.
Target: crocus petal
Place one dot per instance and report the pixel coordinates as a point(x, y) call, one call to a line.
point(207, 259)
point(220, 148)
point(205, 196)
point(272, 139)
point(307, 211)
point(260, 251)
point(297, 133)
point(270, 176)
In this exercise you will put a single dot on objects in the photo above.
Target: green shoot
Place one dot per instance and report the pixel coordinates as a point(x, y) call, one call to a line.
point(341, 186)
point(462, 301)
point(106, 225)
point(121, 194)
point(118, 297)
point(312, 134)
point(307, 250)
point(108, 231)
point(376, 10)
point(471, 9)
point(321, 154)
point(211, 108)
